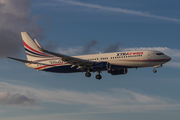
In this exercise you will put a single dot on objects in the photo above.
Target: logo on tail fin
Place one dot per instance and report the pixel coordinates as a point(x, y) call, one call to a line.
point(31, 48)
point(32, 52)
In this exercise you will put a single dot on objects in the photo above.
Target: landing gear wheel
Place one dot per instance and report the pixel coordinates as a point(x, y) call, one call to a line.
point(98, 76)
point(88, 74)
point(154, 70)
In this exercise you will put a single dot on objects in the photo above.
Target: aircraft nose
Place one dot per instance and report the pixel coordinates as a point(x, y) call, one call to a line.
point(168, 58)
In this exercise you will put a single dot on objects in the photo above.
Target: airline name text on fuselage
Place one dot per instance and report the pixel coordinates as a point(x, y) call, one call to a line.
point(130, 53)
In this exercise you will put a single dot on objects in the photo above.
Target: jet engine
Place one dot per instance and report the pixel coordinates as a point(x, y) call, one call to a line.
point(101, 66)
point(118, 72)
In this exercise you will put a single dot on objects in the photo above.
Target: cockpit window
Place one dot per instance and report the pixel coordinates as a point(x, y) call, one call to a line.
point(159, 53)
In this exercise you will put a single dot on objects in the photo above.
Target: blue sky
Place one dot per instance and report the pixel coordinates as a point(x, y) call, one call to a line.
point(69, 27)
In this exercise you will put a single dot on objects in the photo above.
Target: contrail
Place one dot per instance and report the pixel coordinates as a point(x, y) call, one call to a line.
point(120, 10)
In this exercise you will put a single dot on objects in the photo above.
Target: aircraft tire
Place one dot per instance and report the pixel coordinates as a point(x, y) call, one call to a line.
point(154, 71)
point(88, 74)
point(98, 76)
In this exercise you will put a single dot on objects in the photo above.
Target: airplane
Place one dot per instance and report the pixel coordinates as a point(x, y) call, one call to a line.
point(115, 63)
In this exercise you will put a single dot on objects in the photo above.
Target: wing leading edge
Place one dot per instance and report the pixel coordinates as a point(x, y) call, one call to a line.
point(68, 59)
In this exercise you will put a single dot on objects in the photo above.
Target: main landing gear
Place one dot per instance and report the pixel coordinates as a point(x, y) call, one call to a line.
point(88, 74)
point(98, 76)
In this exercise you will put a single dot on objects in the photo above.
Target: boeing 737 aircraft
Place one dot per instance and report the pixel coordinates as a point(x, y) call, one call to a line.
point(116, 63)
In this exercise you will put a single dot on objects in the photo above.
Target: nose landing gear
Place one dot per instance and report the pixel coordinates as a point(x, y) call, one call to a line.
point(156, 67)
point(154, 70)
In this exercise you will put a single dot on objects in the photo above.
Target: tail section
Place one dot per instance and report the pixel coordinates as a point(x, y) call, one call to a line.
point(32, 51)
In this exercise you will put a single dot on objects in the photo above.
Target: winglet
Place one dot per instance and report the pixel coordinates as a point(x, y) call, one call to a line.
point(38, 45)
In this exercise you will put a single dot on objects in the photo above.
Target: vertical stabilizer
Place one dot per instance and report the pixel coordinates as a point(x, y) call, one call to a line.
point(32, 51)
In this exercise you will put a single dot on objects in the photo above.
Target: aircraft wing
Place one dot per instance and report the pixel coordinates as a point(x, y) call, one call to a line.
point(68, 59)
point(72, 60)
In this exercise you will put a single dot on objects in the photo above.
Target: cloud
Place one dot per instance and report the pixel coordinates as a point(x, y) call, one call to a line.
point(120, 10)
point(15, 18)
point(114, 101)
point(70, 51)
point(113, 48)
point(89, 48)
point(7, 98)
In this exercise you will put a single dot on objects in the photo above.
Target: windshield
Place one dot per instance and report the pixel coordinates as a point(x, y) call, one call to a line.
point(159, 53)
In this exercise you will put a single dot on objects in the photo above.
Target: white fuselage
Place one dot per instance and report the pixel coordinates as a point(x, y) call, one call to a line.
point(118, 60)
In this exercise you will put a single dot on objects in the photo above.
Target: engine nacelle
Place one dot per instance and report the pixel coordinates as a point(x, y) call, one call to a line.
point(118, 72)
point(101, 66)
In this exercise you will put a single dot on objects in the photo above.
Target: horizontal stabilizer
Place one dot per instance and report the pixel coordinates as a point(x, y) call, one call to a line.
point(20, 60)
point(25, 61)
